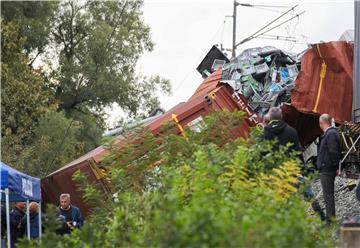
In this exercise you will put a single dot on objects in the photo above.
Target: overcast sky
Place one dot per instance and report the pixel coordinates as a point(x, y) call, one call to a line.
point(184, 30)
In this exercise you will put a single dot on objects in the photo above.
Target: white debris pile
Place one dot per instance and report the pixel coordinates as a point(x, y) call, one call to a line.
point(346, 204)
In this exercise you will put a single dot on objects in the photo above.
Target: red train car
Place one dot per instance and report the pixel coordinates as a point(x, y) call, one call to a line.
point(210, 96)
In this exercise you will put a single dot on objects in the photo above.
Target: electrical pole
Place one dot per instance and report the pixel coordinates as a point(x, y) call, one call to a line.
point(234, 16)
point(233, 55)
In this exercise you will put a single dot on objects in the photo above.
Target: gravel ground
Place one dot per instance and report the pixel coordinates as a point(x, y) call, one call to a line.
point(346, 204)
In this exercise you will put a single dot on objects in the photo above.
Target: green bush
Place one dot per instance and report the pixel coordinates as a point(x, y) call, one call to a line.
point(204, 192)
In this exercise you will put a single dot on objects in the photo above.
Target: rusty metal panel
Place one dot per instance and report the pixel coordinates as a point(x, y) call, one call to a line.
point(208, 85)
point(325, 81)
point(356, 95)
point(306, 125)
point(182, 111)
point(95, 154)
point(209, 96)
point(223, 98)
point(61, 182)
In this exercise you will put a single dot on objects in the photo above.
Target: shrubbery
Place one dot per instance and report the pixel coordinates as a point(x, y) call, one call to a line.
point(209, 191)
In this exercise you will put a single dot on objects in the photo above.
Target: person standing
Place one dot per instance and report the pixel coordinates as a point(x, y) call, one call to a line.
point(70, 214)
point(329, 155)
point(284, 134)
point(17, 229)
point(279, 130)
point(34, 220)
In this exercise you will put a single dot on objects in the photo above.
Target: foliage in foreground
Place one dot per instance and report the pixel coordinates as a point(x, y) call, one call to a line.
point(203, 194)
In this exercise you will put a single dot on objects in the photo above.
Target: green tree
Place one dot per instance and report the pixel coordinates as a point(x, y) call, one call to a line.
point(92, 126)
point(24, 97)
point(56, 142)
point(34, 21)
point(99, 44)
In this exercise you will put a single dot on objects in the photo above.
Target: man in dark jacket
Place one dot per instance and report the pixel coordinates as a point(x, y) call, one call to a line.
point(329, 155)
point(281, 131)
point(17, 230)
point(277, 129)
point(70, 215)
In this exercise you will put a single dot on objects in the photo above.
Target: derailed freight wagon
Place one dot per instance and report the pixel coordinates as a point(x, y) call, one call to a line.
point(211, 95)
point(325, 85)
point(253, 82)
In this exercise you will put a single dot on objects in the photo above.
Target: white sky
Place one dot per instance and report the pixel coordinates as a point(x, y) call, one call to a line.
point(184, 30)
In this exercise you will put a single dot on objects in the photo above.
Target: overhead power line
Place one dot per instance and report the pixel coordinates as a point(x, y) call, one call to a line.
point(280, 24)
point(295, 16)
point(270, 10)
point(292, 39)
point(267, 25)
point(262, 5)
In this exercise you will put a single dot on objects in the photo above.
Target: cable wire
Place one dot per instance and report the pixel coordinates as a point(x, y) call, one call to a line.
point(264, 6)
point(270, 10)
point(267, 25)
point(281, 23)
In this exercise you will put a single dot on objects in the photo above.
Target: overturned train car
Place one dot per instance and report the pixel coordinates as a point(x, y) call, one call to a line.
point(253, 82)
point(209, 96)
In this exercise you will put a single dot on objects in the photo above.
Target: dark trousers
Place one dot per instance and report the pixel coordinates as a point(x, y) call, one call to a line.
point(309, 196)
point(327, 183)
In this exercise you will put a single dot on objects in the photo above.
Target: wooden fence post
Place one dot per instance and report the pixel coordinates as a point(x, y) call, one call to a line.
point(350, 237)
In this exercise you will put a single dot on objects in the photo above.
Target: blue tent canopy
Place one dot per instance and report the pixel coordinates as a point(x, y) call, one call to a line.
point(21, 186)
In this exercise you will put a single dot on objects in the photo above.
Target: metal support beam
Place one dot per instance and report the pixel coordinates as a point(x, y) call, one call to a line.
point(356, 91)
point(28, 219)
point(7, 218)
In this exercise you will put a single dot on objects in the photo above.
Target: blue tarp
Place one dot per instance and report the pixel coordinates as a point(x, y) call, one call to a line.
point(21, 186)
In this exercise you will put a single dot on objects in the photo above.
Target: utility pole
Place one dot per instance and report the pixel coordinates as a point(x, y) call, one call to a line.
point(234, 16)
point(233, 55)
point(256, 35)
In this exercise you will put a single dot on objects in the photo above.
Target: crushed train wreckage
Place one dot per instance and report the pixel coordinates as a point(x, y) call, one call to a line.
point(265, 76)
point(316, 81)
point(319, 80)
